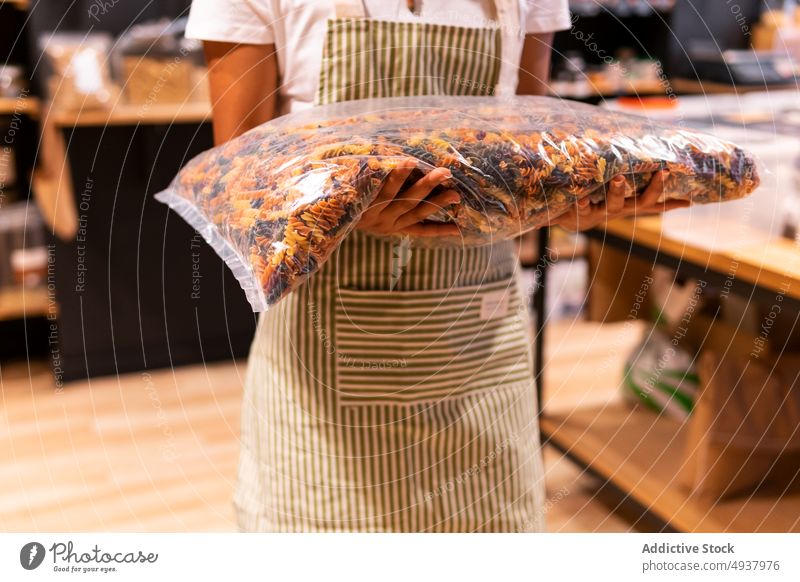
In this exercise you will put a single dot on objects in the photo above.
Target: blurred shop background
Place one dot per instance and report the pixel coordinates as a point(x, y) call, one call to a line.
point(671, 352)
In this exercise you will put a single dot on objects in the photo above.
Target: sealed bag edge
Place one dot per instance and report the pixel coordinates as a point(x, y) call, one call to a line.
point(224, 250)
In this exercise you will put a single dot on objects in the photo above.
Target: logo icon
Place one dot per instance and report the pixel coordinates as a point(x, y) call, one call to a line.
point(31, 555)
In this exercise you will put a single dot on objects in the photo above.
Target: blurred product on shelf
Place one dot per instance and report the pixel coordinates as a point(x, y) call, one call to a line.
point(743, 436)
point(645, 102)
point(660, 371)
point(143, 75)
point(744, 68)
point(572, 80)
point(562, 245)
point(29, 266)
point(566, 289)
point(81, 77)
point(566, 282)
point(151, 64)
point(12, 81)
point(779, 30)
point(661, 375)
point(623, 75)
point(155, 63)
point(23, 253)
point(621, 8)
point(791, 226)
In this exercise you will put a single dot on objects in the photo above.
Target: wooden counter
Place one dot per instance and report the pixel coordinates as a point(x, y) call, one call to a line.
point(19, 106)
point(680, 85)
point(22, 302)
point(774, 266)
point(127, 114)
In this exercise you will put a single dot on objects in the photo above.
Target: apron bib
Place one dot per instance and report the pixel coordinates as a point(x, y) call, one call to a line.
point(394, 390)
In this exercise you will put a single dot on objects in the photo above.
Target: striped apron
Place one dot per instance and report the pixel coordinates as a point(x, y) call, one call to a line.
point(394, 390)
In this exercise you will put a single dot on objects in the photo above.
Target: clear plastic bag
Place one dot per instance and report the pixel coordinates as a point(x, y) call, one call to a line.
point(277, 201)
point(81, 76)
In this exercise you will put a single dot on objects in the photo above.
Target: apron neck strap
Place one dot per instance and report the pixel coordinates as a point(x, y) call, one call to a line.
point(505, 12)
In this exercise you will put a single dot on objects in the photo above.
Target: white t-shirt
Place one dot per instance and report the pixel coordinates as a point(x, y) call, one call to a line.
point(297, 28)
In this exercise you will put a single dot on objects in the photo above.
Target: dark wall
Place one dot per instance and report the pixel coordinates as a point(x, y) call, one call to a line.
point(13, 45)
point(665, 36)
point(102, 15)
point(710, 26)
point(139, 289)
point(647, 35)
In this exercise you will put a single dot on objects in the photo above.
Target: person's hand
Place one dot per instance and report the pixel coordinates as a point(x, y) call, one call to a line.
point(395, 213)
point(585, 215)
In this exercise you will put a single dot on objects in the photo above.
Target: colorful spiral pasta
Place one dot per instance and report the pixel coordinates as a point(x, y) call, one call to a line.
point(277, 201)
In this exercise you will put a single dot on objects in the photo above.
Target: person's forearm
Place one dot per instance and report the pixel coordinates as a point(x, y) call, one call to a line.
point(243, 83)
point(534, 69)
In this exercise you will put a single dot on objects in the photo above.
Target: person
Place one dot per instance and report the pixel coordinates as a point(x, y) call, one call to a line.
point(394, 390)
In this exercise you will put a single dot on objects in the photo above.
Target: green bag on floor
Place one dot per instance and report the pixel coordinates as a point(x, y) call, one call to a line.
point(662, 376)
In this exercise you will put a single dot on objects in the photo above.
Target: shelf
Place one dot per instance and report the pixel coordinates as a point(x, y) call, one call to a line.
point(127, 114)
point(641, 453)
point(19, 106)
point(710, 87)
point(600, 89)
point(22, 302)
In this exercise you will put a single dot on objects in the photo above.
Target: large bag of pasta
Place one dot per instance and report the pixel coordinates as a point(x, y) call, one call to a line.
point(278, 200)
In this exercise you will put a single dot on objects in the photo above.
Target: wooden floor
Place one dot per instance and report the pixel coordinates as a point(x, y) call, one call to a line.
point(158, 452)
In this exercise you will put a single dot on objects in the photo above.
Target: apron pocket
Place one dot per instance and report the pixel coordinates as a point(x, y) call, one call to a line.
point(404, 347)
